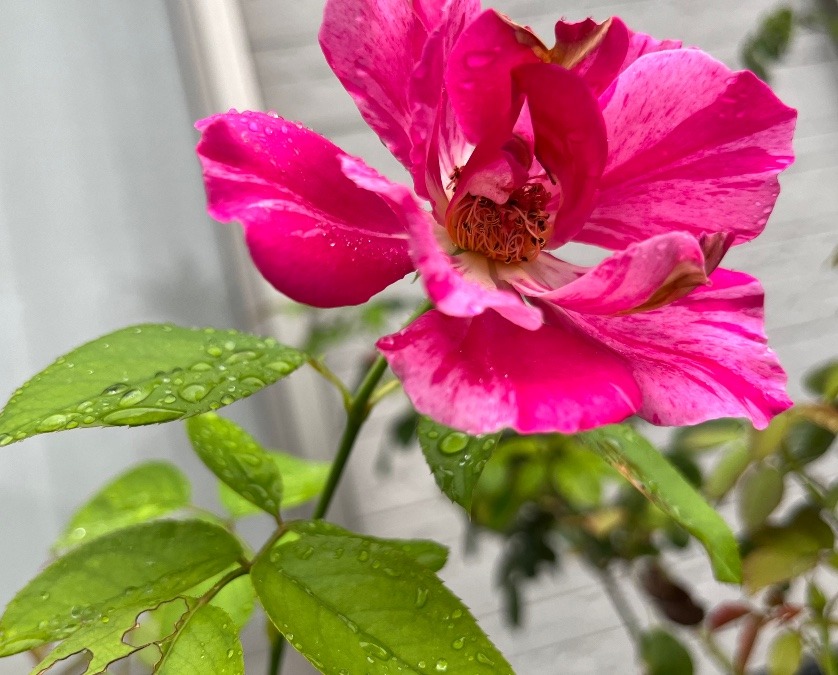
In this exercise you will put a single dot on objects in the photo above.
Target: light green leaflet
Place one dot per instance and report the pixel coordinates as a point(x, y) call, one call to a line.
point(650, 472)
point(140, 494)
point(237, 459)
point(139, 566)
point(351, 604)
point(144, 375)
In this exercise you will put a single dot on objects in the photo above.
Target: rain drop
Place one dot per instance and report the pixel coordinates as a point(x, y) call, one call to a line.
point(117, 388)
point(53, 423)
point(453, 443)
point(132, 397)
point(485, 660)
point(442, 665)
point(193, 393)
point(137, 416)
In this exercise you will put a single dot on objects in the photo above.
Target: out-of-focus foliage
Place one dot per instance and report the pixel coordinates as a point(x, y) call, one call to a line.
point(770, 42)
point(549, 497)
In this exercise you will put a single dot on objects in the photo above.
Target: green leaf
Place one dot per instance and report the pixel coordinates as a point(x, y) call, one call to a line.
point(354, 605)
point(456, 459)
point(144, 375)
point(237, 599)
point(302, 481)
point(760, 492)
point(578, 475)
point(662, 654)
point(823, 381)
point(427, 553)
point(144, 564)
point(780, 553)
point(723, 476)
point(206, 644)
point(807, 441)
point(237, 459)
point(645, 468)
point(708, 435)
point(105, 640)
point(784, 654)
point(140, 494)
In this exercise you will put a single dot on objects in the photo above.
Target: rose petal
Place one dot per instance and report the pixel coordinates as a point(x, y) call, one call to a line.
point(595, 52)
point(644, 276)
point(373, 46)
point(485, 374)
point(640, 44)
point(692, 147)
point(570, 140)
point(701, 357)
point(313, 233)
point(460, 286)
point(478, 74)
point(430, 107)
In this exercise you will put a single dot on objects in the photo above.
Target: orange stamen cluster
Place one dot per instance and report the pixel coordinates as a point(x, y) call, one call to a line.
point(512, 232)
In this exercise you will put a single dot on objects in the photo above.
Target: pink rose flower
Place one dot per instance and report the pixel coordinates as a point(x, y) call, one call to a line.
point(660, 154)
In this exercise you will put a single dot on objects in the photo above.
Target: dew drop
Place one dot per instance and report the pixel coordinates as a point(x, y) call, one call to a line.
point(453, 443)
point(117, 388)
point(193, 393)
point(132, 397)
point(363, 556)
point(227, 399)
point(230, 653)
point(5, 439)
point(252, 383)
point(376, 650)
point(433, 434)
point(170, 399)
point(200, 366)
point(89, 419)
point(421, 597)
point(53, 423)
point(44, 596)
point(485, 660)
point(281, 367)
point(214, 351)
point(137, 416)
point(306, 553)
point(441, 665)
point(458, 643)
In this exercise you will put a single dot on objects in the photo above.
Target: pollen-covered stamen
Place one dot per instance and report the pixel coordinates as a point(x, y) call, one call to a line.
point(512, 232)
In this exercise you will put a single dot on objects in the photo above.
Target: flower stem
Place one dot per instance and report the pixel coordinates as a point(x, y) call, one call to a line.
point(356, 414)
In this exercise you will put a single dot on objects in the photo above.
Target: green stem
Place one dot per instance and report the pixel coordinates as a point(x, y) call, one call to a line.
point(621, 605)
point(713, 648)
point(277, 650)
point(329, 375)
point(827, 657)
point(356, 414)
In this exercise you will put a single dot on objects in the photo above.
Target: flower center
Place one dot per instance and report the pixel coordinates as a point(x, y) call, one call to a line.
point(512, 232)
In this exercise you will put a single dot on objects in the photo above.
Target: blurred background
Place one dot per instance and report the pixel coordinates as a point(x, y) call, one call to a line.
point(102, 224)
